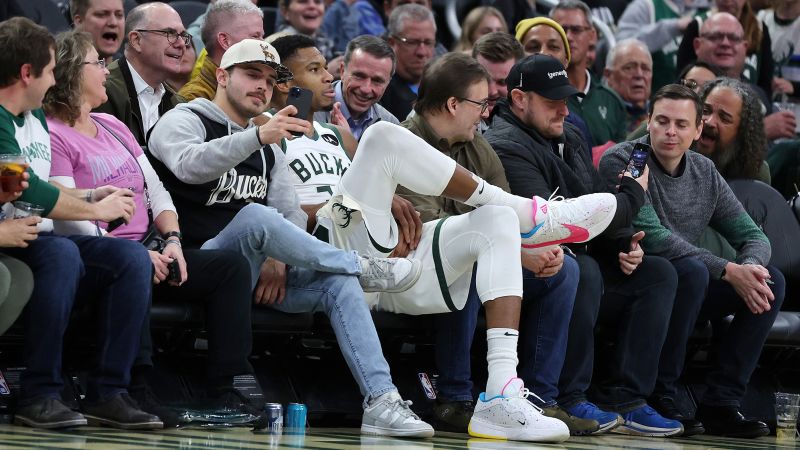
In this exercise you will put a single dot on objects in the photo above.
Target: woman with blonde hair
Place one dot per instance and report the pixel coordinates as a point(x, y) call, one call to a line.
point(480, 21)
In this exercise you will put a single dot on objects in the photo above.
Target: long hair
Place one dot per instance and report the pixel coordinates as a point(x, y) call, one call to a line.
point(471, 24)
point(63, 100)
point(750, 147)
point(752, 28)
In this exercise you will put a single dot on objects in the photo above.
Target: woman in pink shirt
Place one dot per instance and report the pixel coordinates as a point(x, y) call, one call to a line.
point(90, 150)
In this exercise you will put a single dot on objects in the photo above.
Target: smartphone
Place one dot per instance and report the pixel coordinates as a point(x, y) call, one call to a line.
point(301, 99)
point(638, 159)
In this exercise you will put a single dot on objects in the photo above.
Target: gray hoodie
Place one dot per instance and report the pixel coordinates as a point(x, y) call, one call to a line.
point(178, 140)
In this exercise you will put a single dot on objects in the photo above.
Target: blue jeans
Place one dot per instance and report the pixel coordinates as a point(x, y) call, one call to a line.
point(546, 309)
point(116, 276)
point(738, 348)
point(321, 278)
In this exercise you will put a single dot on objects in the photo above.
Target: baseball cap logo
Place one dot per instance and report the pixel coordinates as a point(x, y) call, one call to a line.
point(267, 54)
point(552, 75)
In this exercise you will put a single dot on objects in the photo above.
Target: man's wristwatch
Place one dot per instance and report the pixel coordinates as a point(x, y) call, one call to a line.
point(170, 234)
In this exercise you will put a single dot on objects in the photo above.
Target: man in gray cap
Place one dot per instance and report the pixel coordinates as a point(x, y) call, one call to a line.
point(233, 190)
point(542, 154)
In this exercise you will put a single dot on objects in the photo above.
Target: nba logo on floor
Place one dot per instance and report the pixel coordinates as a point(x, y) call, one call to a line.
point(426, 385)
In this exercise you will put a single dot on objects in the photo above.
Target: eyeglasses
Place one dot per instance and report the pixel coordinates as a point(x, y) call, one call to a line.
point(720, 36)
point(101, 63)
point(691, 84)
point(484, 105)
point(631, 68)
point(172, 35)
point(575, 29)
point(414, 43)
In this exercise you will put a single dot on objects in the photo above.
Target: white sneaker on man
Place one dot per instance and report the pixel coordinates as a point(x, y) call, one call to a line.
point(568, 221)
point(388, 274)
point(511, 416)
point(390, 415)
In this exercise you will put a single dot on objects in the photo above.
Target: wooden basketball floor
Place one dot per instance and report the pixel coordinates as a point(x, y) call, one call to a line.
point(14, 437)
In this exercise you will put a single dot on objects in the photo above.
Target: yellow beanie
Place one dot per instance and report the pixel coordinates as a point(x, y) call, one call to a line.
point(526, 24)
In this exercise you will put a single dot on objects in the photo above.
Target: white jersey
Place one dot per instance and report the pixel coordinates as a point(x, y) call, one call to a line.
point(316, 164)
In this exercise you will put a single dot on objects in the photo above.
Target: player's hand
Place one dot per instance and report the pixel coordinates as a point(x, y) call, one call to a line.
point(408, 222)
point(175, 252)
point(17, 232)
point(11, 196)
point(628, 262)
point(119, 204)
point(337, 118)
point(779, 125)
point(271, 287)
point(281, 125)
point(749, 281)
point(160, 266)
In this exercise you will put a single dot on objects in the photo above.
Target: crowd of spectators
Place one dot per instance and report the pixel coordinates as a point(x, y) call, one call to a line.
point(170, 164)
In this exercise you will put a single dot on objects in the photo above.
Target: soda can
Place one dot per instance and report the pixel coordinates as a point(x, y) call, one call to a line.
point(274, 412)
point(296, 417)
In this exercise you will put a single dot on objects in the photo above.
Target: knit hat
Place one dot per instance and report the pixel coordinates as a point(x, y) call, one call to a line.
point(526, 24)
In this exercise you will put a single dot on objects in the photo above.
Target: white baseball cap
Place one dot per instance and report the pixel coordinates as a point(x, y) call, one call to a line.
point(255, 51)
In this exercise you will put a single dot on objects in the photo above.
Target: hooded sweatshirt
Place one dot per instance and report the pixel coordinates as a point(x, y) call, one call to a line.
point(213, 168)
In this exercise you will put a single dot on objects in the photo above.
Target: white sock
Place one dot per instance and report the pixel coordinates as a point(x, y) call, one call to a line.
point(488, 194)
point(502, 359)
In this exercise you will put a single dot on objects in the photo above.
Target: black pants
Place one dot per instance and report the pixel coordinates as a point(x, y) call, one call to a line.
point(221, 280)
point(637, 307)
point(739, 345)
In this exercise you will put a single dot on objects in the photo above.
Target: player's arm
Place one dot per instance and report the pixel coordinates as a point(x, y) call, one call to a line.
point(349, 142)
point(311, 210)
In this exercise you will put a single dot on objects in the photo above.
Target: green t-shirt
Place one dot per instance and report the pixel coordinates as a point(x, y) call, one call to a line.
point(27, 135)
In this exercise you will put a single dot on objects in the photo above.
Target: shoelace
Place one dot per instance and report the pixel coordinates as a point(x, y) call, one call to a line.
point(525, 393)
point(378, 269)
point(403, 407)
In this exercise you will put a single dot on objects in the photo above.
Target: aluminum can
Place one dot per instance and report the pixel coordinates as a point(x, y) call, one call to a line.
point(274, 412)
point(296, 417)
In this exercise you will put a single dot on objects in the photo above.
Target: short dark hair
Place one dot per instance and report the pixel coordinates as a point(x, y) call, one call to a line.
point(287, 46)
point(710, 67)
point(450, 75)
point(498, 47)
point(23, 42)
point(371, 45)
point(678, 92)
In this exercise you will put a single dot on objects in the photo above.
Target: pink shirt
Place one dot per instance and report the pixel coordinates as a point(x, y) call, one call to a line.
point(101, 161)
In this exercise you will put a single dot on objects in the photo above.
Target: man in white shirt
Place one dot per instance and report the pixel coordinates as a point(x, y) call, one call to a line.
point(136, 91)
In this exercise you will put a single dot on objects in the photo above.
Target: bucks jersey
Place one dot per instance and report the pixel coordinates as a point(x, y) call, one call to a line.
point(316, 163)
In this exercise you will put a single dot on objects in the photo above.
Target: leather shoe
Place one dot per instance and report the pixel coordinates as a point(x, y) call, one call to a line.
point(667, 408)
point(728, 421)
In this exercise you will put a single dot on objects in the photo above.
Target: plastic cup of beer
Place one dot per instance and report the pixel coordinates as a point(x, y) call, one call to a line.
point(25, 209)
point(11, 169)
point(787, 408)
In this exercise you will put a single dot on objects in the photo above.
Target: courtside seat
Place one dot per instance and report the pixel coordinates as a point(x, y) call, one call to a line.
point(785, 331)
point(191, 315)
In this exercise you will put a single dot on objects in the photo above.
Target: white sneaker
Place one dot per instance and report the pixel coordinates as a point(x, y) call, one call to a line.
point(575, 220)
point(388, 274)
point(512, 416)
point(390, 415)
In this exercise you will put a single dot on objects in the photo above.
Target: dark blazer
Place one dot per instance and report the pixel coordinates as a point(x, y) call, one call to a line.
point(123, 103)
point(398, 98)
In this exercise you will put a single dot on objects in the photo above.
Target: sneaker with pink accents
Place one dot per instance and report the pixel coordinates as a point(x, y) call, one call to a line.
point(511, 416)
point(559, 221)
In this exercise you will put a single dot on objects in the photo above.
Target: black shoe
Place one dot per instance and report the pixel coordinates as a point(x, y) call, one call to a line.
point(121, 411)
point(728, 421)
point(232, 399)
point(667, 408)
point(452, 416)
point(48, 413)
point(149, 403)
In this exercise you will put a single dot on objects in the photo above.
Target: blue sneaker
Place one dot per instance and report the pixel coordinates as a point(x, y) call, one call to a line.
point(645, 421)
point(588, 410)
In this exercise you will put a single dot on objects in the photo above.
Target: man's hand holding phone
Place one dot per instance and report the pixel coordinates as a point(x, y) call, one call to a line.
point(283, 125)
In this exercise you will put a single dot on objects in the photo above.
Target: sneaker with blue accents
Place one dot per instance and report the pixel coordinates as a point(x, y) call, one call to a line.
point(645, 421)
point(588, 410)
point(511, 416)
point(559, 221)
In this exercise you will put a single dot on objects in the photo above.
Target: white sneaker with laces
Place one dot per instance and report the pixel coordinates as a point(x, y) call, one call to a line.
point(390, 415)
point(574, 220)
point(388, 274)
point(511, 416)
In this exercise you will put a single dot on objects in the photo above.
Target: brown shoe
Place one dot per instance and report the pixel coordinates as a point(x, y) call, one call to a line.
point(576, 425)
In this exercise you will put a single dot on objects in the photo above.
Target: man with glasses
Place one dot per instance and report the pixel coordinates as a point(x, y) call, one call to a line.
point(412, 36)
point(721, 43)
point(600, 107)
point(367, 68)
point(137, 94)
point(629, 72)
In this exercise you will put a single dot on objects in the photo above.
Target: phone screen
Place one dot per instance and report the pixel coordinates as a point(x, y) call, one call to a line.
point(301, 99)
point(638, 159)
